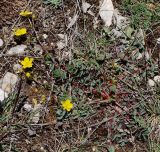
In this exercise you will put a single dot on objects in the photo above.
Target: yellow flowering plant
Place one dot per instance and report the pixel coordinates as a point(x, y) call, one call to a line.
point(67, 105)
point(27, 63)
point(20, 32)
point(25, 13)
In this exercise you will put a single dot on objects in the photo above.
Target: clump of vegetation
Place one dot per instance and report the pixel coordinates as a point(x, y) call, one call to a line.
point(95, 95)
point(52, 2)
point(142, 15)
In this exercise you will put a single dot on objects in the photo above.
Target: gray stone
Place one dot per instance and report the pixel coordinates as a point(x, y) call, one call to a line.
point(17, 50)
point(38, 49)
point(31, 133)
point(17, 68)
point(36, 111)
point(8, 82)
point(27, 107)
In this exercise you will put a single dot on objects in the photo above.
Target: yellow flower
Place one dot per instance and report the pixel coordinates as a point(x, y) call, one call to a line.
point(27, 62)
point(20, 32)
point(28, 75)
point(26, 13)
point(67, 105)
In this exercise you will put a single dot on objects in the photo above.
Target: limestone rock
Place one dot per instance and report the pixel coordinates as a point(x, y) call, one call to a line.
point(17, 50)
point(8, 82)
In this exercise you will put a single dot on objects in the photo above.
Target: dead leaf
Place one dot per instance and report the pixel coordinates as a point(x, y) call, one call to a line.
point(85, 6)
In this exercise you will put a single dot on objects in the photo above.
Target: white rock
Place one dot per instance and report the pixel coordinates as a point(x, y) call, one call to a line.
point(106, 11)
point(38, 49)
point(36, 117)
point(1, 42)
point(45, 36)
point(36, 110)
point(3, 95)
point(85, 6)
point(52, 44)
point(158, 40)
point(27, 107)
point(31, 132)
point(17, 68)
point(17, 50)
point(151, 83)
point(8, 82)
point(61, 45)
point(157, 78)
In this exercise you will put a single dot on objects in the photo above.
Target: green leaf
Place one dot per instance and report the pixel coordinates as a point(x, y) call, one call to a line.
point(129, 31)
point(60, 114)
point(58, 73)
point(111, 149)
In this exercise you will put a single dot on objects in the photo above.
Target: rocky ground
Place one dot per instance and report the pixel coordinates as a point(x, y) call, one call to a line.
point(84, 76)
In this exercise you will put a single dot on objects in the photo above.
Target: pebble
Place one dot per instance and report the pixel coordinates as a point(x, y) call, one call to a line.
point(27, 107)
point(63, 42)
point(38, 49)
point(36, 111)
point(32, 133)
point(85, 6)
point(61, 45)
point(17, 68)
point(45, 36)
point(157, 78)
point(1, 42)
point(151, 83)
